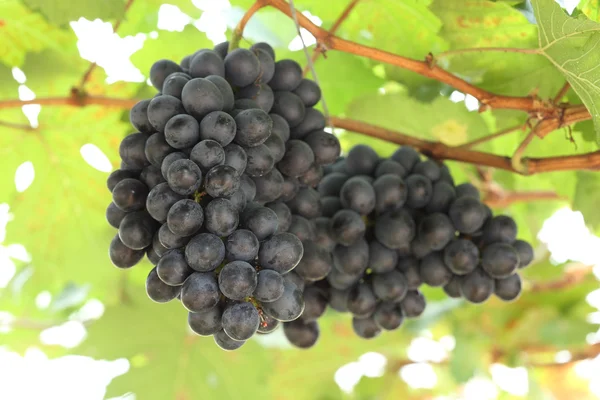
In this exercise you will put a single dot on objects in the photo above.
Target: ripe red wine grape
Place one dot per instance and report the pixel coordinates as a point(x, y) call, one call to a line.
point(461, 256)
point(185, 217)
point(477, 286)
point(206, 323)
point(288, 307)
point(122, 256)
point(172, 268)
point(388, 316)
point(301, 334)
point(237, 280)
point(200, 292)
point(282, 252)
point(132, 151)
point(206, 63)
point(509, 288)
point(241, 67)
point(309, 92)
point(499, 260)
point(200, 97)
point(390, 286)
point(137, 230)
point(158, 291)
point(160, 70)
point(184, 177)
point(205, 252)
point(287, 76)
point(365, 328)
point(269, 286)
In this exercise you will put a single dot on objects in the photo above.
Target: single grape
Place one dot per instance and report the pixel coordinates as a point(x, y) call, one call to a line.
point(288, 307)
point(312, 177)
point(290, 188)
point(132, 152)
point(302, 228)
point(160, 70)
point(413, 304)
point(157, 149)
point(220, 217)
point(313, 120)
point(221, 49)
point(122, 256)
point(282, 252)
point(306, 203)
point(331, 184)
point(315, 303)
point(381, 258)
point(172, 268)
point(436, 230)
point(200, 292)
point(419, 249)
point(309, 92)
point(185, 217)
point(467, 214)
point(353, 259)
point(182, 131)
point(240, 321)
point(452, 288)
point(221, 181)
point(137, 229)
point(184, 177)
point(206, 63)
point(242, 67)
point(207, 154)
point(395, 229)
point(218, 126)
point(290, 107)
point(266, 47)
point(267, 65)
point(499, 260)
point(467, 189)
point(442, 196)
point(242, 245)
point(477, 286)
point(284, 215)
point(152, 256)
point(173, 85)
point(433, 270)
point(224, 89)
point(461, 256)
point(390, 193)
point(362, 301)
point(160, 200)
point(226, 343)
point(407, 157)
point(293, 277)
point(390, 286)
point(509, 288)
point(162, 108)
point(338, 299)
point(248, 186)
point(157, 246)
point(237, 280)
point(389, 166)
point(118, 175)
point(297, 160)
point(365, 328)
point(409, 266)
point(262, 221)
point(269, 286)
point(323, 235)
point(301, 334)
point(357, 194)
point(287, 76)
point(206, 323)
point(420, 191)
point(269, 186)
point(170, 240)
point(388, 316)
point(170, 159)
point(429, 169)
point(280, 127)
point(260, 160)
point(158, 291)
point(205, 252)
point(114, 215)
point(330, 205)
point(253, 127)
point(236, 157)
point(525, 252)
point(315, 263)
point(130, 195)
point(276, 147)
point(361, 160)
point(151, 176)
point(200, 97)
point(501, 228)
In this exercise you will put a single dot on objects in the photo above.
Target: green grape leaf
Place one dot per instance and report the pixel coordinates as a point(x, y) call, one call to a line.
point(23, 31)
point(441, 120)
point(407, 28)
point(570, 44)
point(591, 8)
point(59, 218)
point(482, 23)
point(60, 12)
point(142, 16)
point(588, 184)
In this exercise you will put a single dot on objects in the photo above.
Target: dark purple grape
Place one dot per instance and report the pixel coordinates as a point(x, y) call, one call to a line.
point(200, 292)
point(160, 200)
point(185, 217)
point(442, 196)
point(242, 67)
point(362, 301)
point(240, 321)
point(390, 193)
point(218, 126)
point(122, 256)
point(158, 291)
point(409, 266)
point(290, 107)
point(315, 264)
point(302, 228)
point(205, 63)
point(288, 307)
point(413, 304)
point(365, 328)
point(226, 343)
point(358, 194)
point(224, 89)
point(200, 97)
point(261, 93)
point(461, 256)
point(269, 186)
point(433, 270)
point(388, 316)
point(331, 184)
point(420, 191)
point(407, 157)
point(501, 228)
point(182, 131)
point(436, 230)
point(236, 157)
point(138, 116)
point(313, 120)
point(467, 189)
point(280, 127)
point(253, 127)
point(389, 166)
point(269, 287)
point(137, 230)
point(429, 169)
point(509, 288)
point(237, 280)
point(184, 177)
point(309, 92)
point(525, 252)
point(162, 108)
point(282, 252)
point(499, 260)
point(467, 214)
point(205, 252)
point(242, 245)
point(172, 268)
point(301, 334)
point(452, 288)
point(395, 229)
point(477, 286)
point(287, 76)
point(206, 323)
point(130, 195)
point(132, 152)
point(361, 160)
point(160, 70)
point(352, 260)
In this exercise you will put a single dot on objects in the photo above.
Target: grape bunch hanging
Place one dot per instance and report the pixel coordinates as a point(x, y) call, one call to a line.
point(235, 192)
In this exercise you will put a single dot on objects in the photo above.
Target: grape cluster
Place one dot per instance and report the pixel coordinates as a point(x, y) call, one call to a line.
point(213, 185)
point(384, 227)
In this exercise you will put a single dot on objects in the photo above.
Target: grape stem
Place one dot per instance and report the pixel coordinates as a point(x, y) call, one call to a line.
point(338, 22)
point(238, 32)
